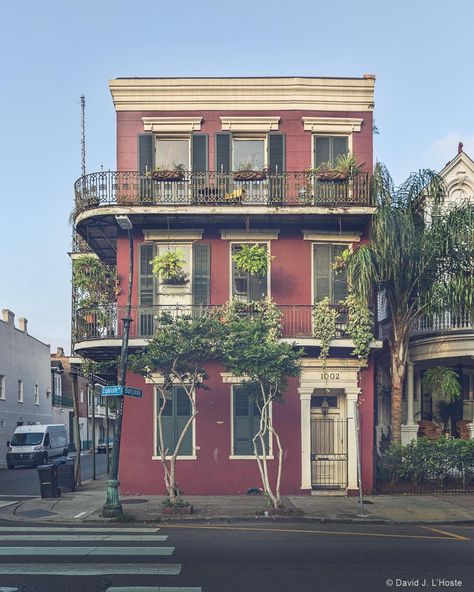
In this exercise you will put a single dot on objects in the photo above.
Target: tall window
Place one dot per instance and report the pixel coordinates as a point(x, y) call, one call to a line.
point(2, 387)
point(246, 421)
point(245, 285)
point(172, 153)
point(248, 154)
point(328, 282)
point(328, 148)
point(177, 411)
point(58, 385)
point(20, 391)
point(36, 395)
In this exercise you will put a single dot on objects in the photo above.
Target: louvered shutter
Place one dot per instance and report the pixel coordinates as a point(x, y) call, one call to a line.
point(145, 153)
point(199, 152)
point(322, 259)
point(183, 413)
point(223, 152)
point(339, 278)
point(242, 422)
point(276, 153)
point(201, 274)
point(167, 423)
point(146, 291)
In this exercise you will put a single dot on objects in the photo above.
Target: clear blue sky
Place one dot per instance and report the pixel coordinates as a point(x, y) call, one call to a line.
point(53, 51)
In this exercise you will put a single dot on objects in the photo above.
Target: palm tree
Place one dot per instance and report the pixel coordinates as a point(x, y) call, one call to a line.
point(443, 384)
point(420, 257)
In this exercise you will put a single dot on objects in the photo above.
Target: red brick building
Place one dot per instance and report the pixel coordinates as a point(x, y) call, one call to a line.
point(205, 165)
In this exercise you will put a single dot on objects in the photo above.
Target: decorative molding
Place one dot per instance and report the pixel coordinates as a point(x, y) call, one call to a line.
point(332, 125)
point(331, 237)
point(245, 94)
point(250, 124)
point(251, 235)
point(172, 125)
point(229, 378)
point(175, 235)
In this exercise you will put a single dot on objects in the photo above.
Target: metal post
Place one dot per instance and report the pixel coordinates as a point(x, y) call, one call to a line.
point(359, 467)
point(107, 434)
point(76, 431)
point(112, 507)
point(94, 476)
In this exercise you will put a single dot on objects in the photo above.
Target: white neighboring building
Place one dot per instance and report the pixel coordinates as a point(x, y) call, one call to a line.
point(25, 379)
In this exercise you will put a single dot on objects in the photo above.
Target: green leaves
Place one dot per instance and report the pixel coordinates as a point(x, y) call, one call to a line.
point(169, 266)
point(360, 326)
point(252, 258)
point(442, 382)
point(95, 282)
point(324, 326)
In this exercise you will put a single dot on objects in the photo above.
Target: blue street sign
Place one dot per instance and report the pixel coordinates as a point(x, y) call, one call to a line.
point(133, 392)
point(112, 391)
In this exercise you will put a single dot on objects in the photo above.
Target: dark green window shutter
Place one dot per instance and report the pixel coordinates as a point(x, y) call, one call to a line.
point(199, 152)
point(145, 153)
point(339, 278)
point(223, 152)
point(201, 274)
point(276, 153)
point(322, 260)
point(175, 416)
point(146, 275)
point(246, 422)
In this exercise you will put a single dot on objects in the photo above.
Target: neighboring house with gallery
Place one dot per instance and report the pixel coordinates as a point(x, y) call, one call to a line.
point(205, 165)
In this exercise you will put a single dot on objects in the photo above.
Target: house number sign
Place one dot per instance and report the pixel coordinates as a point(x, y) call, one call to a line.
point(330, 376)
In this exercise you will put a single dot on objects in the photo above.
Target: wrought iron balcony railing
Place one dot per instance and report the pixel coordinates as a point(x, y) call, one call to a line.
point(105, 322)
point(445, 322)
point(59, 401)
point(206, 188)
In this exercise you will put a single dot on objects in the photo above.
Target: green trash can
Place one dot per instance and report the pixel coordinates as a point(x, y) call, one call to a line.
point(48, 480)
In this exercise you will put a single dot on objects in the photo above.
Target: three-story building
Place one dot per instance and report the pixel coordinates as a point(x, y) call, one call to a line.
point(204, 166)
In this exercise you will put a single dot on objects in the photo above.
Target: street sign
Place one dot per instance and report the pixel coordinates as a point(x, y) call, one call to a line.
point(112, 391)
point(133, 392)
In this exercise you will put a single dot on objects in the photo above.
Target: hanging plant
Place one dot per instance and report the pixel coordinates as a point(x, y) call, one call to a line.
point(324, 327)
point(253, 259)
point(360, 326)
point(169, 267)
point(95, 282)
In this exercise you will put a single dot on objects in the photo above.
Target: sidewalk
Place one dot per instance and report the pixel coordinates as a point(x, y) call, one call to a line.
point(85, 505)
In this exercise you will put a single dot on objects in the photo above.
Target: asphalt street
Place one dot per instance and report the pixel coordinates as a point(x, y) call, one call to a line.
point(235, 558)
point(24, 480)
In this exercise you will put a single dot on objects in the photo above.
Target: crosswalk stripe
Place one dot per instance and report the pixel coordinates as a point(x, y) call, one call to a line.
point(74, 569)
point(152, 589)
point(4, 589)
point(77, 529)
point(84, 537)
point(89, 551)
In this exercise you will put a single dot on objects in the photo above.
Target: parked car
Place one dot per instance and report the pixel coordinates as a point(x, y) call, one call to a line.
point(102, 445)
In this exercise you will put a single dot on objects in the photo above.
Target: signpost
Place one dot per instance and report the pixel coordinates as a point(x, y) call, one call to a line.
point(117, 391)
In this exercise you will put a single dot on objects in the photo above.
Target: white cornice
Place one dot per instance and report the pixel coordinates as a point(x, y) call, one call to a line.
point(175, 235)
point(250, 124)
point(250, 235)
point(332, 125)
point(178, 94)
point(171, 124)
point(331, 237)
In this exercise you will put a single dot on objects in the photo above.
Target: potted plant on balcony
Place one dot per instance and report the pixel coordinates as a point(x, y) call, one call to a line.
point(252, 258)
point(164, 173)
point(247, 172)
point(341, 169)
point(169, 268)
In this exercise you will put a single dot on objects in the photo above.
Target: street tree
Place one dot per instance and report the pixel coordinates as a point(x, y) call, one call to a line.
point(176, 356)
point(420, 258)
point(252, 351)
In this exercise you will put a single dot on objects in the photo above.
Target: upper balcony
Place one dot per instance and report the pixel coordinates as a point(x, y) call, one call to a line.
point(148, 199)
point(445, 335)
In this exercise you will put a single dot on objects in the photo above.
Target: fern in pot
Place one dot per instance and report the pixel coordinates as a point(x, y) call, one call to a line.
point(169, 268)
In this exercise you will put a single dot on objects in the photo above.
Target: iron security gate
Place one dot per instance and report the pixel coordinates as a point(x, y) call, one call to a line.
point(328, 453)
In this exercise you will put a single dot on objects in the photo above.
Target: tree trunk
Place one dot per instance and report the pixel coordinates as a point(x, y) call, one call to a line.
point(398, 355)
point(77, 434)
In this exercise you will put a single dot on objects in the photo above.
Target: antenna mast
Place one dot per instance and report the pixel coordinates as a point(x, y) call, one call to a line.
point(83, 135)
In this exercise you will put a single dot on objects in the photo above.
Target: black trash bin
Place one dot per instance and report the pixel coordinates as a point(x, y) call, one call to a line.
point(48, 480)
point(66, 478)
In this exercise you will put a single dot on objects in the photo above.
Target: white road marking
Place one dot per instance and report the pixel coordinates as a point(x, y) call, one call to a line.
point(75, 569)
point(82, 551)
point(10, 503)
point(77, 529)
point(19, 495)
point(80, 514)
point(48, 538)
point(152, 589)
point(3, 589)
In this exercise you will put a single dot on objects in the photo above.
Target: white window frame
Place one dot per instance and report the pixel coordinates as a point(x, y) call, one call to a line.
point(233, 456)
point(20, 391)
point(241, 137)
point(195, 448)
point(58, 385)
point(36, 394)
point(328, 135)
point(187, 248)
point(269, 269)
point(2, 387)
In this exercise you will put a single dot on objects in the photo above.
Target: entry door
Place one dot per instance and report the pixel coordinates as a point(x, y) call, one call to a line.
point(328, 444)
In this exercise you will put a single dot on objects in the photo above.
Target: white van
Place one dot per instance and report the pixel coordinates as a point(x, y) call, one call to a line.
point(36, 444)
